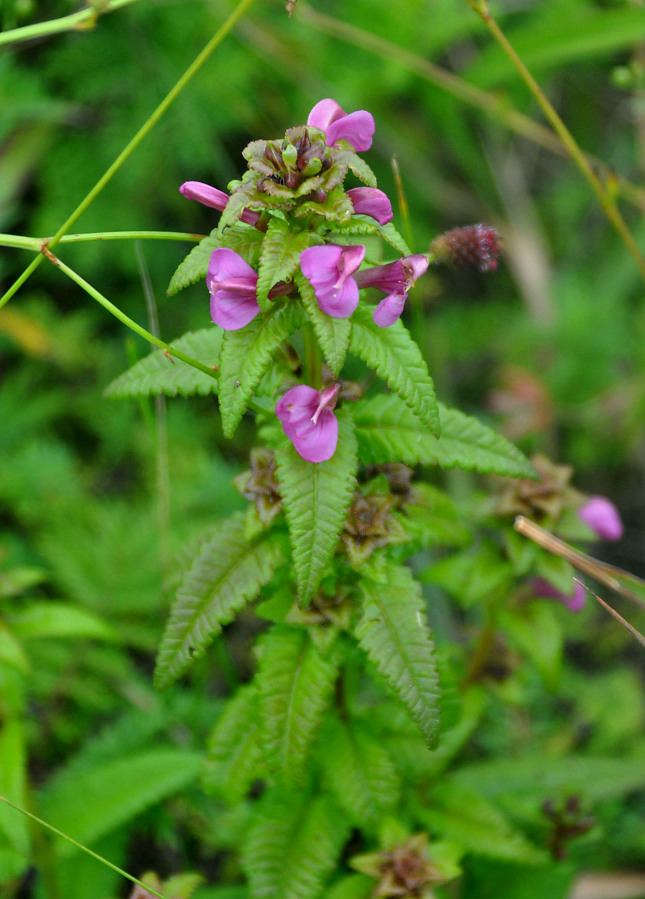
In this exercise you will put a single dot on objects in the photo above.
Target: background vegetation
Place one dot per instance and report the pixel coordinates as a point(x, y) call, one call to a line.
point(96, 496)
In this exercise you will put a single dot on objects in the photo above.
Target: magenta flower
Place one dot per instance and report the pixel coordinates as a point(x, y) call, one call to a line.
point(232, 284)
point(574, 601)
point(309, 422)
point(395, 279)
point(602, 516)
point(371, 201)
point(329, 269)
point(216, 199)
point(357, 127)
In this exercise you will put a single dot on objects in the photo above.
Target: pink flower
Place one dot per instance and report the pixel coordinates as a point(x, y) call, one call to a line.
point(371, 201)
point(395, 279)
point(216, 199)
point(309, 422)
point(602, 516)
point(357, 127)
point(574, 601)
point(330, 269)
point(232, 284)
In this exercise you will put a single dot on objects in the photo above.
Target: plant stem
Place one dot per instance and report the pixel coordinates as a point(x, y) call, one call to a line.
point(36, 243)
point(80, 846)
point(78, 21)
point(127, 151)
point(467, 93)
point(128, 322)
point(605, 195)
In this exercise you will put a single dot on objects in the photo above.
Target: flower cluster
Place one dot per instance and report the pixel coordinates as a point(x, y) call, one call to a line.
point(299, 180)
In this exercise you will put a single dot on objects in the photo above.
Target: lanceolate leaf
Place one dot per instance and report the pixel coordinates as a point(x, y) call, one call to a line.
point(115, 792)
point(195, 265)
point(332, 333)
point(234, 755)
point(293, 845)
point(280, 257)
point(347, 157)
point(362, 224)
point(156, 374)
point(226, 573)
point(246, 355)
point(359, 770)
point(294, 683)
point(316, 498)
point(388, 432)
point(397, 359)
point(394, 633)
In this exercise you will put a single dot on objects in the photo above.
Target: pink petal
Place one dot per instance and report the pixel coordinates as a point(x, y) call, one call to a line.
point(232, 285)
point(602, 516)
point(389, 310)
point(371, 201)
point(329, 269)
point(357, 128)
point(226, 264)
point(324, 113)
point(204, 193)
point(319, 444)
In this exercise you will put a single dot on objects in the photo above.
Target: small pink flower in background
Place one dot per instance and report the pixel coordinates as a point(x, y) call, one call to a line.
point(371, 201)
point(395, 279)
point(309, 422)
point(357, 127)
point(473, 246)
point(574, 601)
point(329, 269)
point(602, 516)
point(216, 199)
point(232, 284)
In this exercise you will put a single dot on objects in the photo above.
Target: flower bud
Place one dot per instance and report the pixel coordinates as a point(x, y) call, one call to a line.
point(473, 246)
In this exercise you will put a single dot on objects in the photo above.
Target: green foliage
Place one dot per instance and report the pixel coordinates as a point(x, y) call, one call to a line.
point(280, 257)
point(294, 684)
point(246, 355)
point(393, 633)
point(396, 358)
point(195, 266)
point(158, 374)
point(332, 333)
point(234, 754)
point(360, 772)
point(293, 845)
point(225, 573)
point(386, 431)
point(316, 498)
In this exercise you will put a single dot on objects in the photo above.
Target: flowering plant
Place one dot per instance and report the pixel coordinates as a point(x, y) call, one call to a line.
point(335, 507)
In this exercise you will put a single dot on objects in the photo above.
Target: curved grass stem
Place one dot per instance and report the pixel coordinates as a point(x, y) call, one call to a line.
point(127, 151)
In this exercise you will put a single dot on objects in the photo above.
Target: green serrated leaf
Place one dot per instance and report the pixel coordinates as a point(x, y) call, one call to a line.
point(280, 257)
point(347, 157)
point(245, 357)
point(316, 497)
point(293, 845)
point(396, 358)
point(226, 572)
point(294, 684)
point(336, 208)
point(388, 432)
point(359, 770)
point(234, 755)
point(465, 817)
point(194, 267)
point(394, 633)
point(114, 793)
point(362, 224)
point(332, 333)
point(156, 374)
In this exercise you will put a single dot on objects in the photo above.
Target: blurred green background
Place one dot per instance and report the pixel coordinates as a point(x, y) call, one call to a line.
point(96, 495)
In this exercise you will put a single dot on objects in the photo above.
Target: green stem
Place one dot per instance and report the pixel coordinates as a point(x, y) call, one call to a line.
point(78, 21)
point(145, 129)
point(80, 846)
point(36, 243)
point(489, 103)
point(604, 194)
point(312, 360)
point(128, 322)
